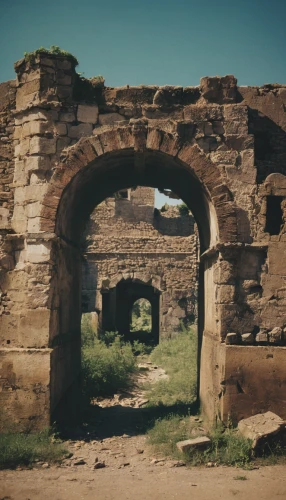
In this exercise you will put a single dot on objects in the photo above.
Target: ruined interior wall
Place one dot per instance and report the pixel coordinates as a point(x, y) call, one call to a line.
point(125, 239)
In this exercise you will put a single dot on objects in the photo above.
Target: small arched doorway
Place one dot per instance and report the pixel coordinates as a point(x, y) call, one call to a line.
point(117, 306)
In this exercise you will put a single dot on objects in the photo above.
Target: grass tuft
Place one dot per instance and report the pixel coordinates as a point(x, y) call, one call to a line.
point(23, 449)
point(178, 357)
point(227, 446)
point(53, 50)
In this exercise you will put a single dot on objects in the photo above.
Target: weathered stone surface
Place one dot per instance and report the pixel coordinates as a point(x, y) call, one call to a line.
point(247, 338)
point(275, 335)
point(219, 147)
point(87, 113)
point(110, 118)
point(199, 443)
point(261, 427)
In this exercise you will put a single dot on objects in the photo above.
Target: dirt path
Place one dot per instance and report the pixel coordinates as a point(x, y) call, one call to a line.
point(111, 460)
point(141, 479)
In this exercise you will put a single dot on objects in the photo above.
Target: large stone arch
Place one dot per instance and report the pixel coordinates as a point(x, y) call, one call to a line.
point(136, 144)
point(90, 171)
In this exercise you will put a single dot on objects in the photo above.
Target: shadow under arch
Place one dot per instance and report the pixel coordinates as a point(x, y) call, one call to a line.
point(94, 169)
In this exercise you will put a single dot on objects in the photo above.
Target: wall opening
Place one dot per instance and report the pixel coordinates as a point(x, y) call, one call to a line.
point(88, 188)
point(141, 317)
point(274, 215)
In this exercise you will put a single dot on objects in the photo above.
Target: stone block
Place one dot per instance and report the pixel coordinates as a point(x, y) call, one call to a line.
point(275, 336)
point(19, 219)
point(37, 163)
point(4, 217)
point(232, 338)
point(261, 427)
point(35, 192)
point(247, 338)
point(110, 118)
point(21, 176)
point(262, 336)
point(42, 145)
point(67, 116)
point(37, 252)
point(87, 113)
point(61, 128)
point(34, 225)
point(36, 128)
point(34, 209)
point(22, 148)
point(199, 443)
point(78, 131)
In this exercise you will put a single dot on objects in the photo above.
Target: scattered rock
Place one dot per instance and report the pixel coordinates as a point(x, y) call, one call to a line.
point(177, 463)
point(262, 336)
point(247, 338)
point(261, 427)
point(139, 451)
point(142, 402)
point(124, 464)
point(275, 336)
point(199, 443)
point(99, 465)
point(45, 466)
point(79, 461)
point(232, 338)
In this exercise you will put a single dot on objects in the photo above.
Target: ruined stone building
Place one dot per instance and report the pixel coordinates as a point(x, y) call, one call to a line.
point(133, 251)
point(66, 145)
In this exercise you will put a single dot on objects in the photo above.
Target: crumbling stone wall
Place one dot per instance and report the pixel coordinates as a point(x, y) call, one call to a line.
point(219, 147)
point(125, 239)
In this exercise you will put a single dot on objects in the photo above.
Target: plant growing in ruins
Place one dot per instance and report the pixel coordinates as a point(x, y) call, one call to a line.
point(178, 357)
point(106, 367)
point(24, 448)
point(183, 209)
point(53, 50)
point(227, 446)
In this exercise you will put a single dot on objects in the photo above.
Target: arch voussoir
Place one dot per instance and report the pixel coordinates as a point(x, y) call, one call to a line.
point(88, 149)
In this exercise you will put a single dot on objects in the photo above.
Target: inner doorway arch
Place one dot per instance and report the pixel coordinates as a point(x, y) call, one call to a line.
point(117, 304)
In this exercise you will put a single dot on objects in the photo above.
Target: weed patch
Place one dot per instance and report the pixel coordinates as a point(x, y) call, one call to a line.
point(106, 366)
point(178, 357)
point(23, 449)
point(227, 446)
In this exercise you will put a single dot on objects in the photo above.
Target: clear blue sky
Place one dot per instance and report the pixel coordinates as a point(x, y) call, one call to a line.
point(152, 41)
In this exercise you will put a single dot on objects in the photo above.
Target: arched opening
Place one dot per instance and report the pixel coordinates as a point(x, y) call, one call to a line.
point(117, 307)
point(97, 179)
point(141, 316)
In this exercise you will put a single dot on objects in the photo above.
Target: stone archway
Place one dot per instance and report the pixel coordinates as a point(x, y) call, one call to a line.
point(195, 141)
point(89, 172)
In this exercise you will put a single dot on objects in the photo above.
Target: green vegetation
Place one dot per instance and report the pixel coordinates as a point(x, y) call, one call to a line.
point(165, 207)
point(178, 357)
point(183, 209)
point(24, 448)
point(240, 478)
point(53, 50)
point(107, 362)
point(141, 316)
point(227, 446)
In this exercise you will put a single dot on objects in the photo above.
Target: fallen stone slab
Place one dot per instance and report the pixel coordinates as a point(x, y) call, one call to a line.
point(199, 443)
point(261, 427)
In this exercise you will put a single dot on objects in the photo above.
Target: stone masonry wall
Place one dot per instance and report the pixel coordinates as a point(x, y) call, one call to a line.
point(221, 146)
point(124, 239)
